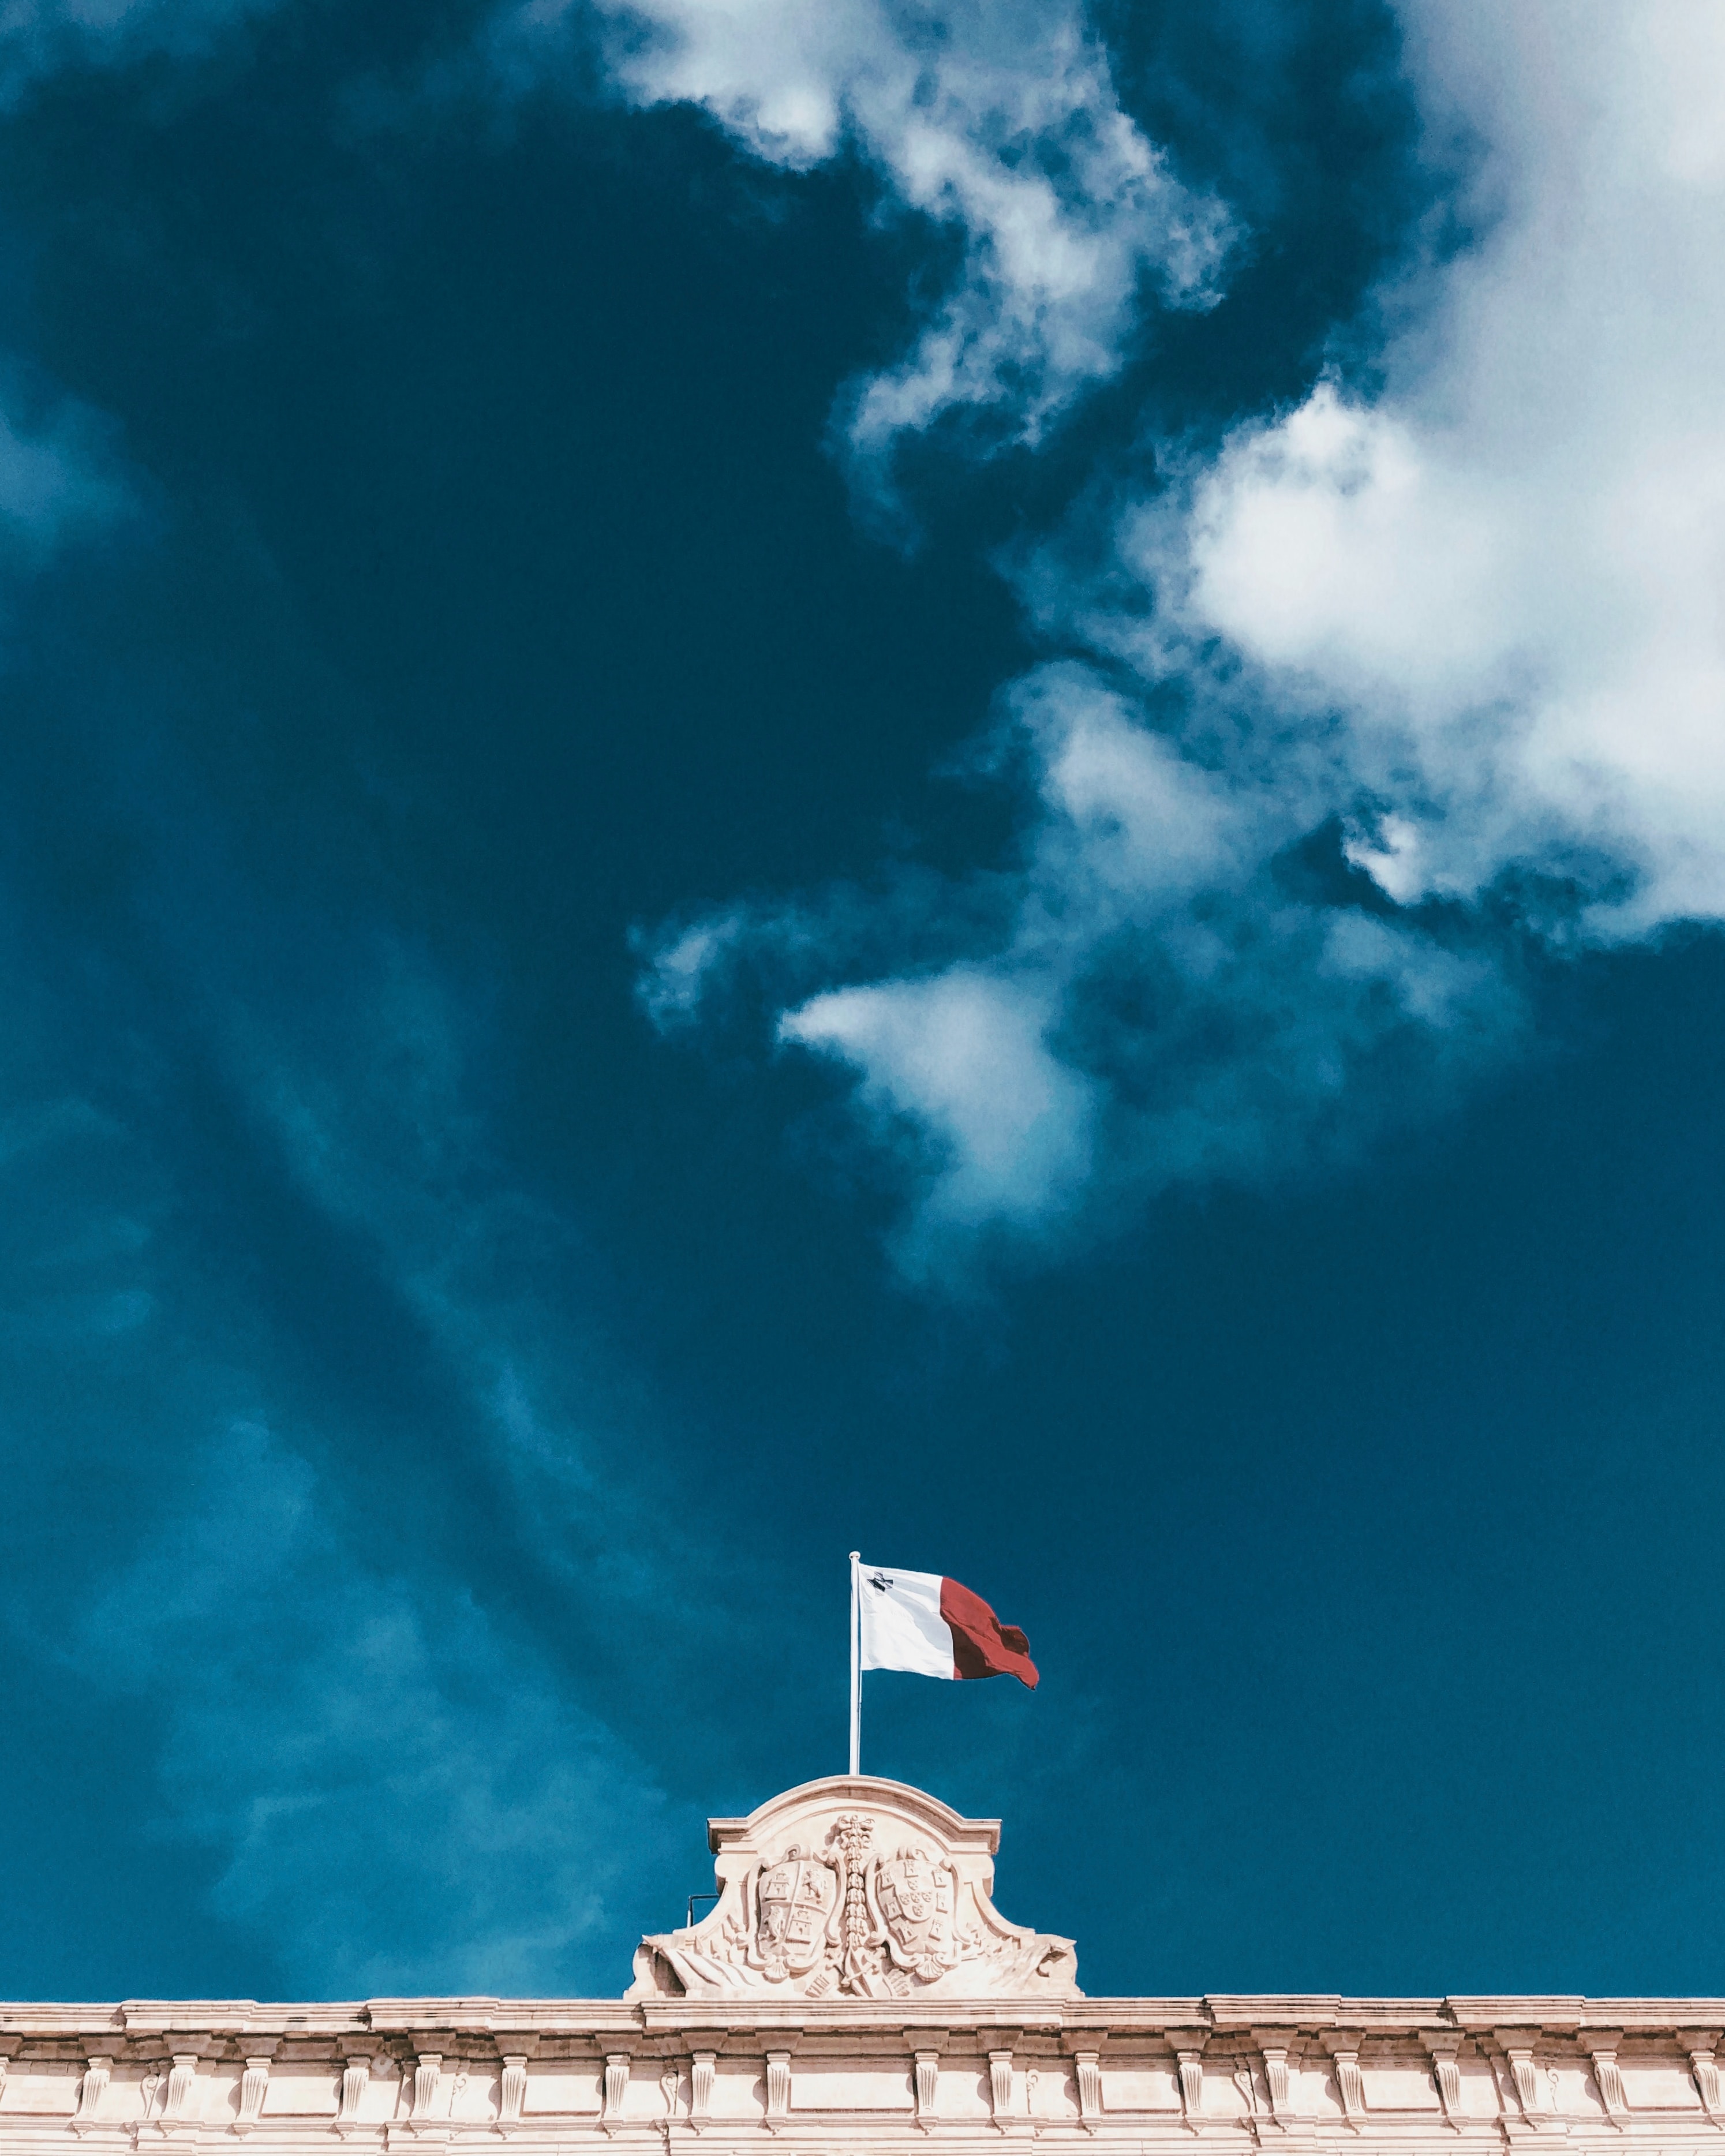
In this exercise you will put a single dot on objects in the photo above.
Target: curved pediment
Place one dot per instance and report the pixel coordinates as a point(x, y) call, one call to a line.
point(855, 1887)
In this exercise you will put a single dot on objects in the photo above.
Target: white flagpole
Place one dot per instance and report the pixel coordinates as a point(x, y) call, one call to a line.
point(855, 1669)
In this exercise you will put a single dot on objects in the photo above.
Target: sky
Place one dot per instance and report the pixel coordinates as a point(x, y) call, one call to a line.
point(892, 774)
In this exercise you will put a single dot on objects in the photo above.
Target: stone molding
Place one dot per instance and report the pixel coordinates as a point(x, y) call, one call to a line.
point(855, 1993)
point(655, 2076)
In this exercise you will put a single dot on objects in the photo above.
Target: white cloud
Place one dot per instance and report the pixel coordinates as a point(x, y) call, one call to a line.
point(1465, 622)
point(996, 117)
point(963, 1057)
point(1154, 1006)
point(1507, 566)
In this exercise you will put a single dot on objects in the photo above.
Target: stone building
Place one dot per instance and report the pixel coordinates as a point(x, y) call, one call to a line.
point(854, 1990)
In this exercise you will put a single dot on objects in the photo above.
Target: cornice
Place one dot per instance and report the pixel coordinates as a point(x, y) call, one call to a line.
point(1215, 2013)
point(1248, 2074)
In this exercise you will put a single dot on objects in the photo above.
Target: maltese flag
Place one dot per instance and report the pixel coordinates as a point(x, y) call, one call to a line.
point(920, 1621)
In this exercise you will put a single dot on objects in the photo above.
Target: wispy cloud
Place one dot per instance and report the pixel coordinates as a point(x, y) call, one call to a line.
point(399, 1792)
point(401, 1752)
point(1387, 682)
point(999, 122)
point(38, 38)
point(57, 479)
point(1177, 982)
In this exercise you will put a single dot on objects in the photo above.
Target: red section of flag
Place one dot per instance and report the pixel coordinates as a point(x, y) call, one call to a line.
point(982, 1645)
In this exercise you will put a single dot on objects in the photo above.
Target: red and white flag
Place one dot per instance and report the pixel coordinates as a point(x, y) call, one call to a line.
point(922, 1621)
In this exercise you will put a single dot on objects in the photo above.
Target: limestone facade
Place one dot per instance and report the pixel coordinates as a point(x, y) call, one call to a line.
point(854, 1991)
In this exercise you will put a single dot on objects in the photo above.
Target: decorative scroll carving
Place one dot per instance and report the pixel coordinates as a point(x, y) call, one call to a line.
point(1087, 2068)
point(356, 2080)
point(703, 2066)
point(428, 2077)
point(1443, 2048)
point(1350, 2082)
point(1607, 2076)
point(1000, 2087)
point(1529, 2091)
point(1191, 2066)
point(927, 2079)
point(511, 2091)
point(253, 2085)
point(180, 2106)
point(820, 1897)
point(617, 2065)
point(91, 2091)
point(1448, 2076)
point(1353, 2085)
point(1704, 2066)
point(778, 2088)
point(1273, 2050)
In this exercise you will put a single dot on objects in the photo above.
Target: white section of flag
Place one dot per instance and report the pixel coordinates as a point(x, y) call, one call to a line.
point(903, 1627)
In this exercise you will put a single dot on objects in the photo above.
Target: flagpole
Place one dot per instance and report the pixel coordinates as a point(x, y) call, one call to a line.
point(855, 1669)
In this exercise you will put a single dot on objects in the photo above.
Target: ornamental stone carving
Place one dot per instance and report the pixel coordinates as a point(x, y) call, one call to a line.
point(1705, 2068)
point(511, 2091)
point(857, 1887)
point(856, 1993)
point(703, 2066)
point(91, 2091)
point(356, 2079)
point(253, 2086)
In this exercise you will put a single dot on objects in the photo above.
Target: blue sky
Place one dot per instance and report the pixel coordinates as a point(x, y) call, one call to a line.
point(944, 778)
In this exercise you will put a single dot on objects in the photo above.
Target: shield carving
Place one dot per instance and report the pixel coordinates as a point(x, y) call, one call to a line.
point(916, 1898)
point(795, 1901)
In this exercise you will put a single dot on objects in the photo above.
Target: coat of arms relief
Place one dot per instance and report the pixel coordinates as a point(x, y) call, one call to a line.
point(856, 1887)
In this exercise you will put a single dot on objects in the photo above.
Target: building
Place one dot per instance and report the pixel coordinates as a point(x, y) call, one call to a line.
point(854, 1990)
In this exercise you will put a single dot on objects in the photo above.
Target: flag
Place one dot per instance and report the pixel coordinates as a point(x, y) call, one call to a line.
point(921, 1621)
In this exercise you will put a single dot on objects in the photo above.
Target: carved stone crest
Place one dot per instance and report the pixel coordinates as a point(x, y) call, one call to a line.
point(796, 1903)
point(856, 1886)
point(914, 1900)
